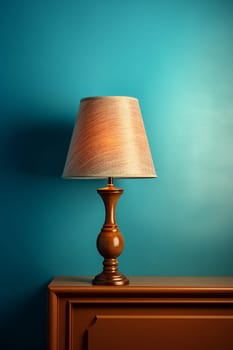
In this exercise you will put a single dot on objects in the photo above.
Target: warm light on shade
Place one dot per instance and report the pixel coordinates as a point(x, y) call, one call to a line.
point(109, 140)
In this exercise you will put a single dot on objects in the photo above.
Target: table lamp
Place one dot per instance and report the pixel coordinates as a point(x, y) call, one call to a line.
point(109, 141)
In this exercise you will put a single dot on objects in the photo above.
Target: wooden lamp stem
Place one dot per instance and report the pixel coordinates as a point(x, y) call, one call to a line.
point(110, 241)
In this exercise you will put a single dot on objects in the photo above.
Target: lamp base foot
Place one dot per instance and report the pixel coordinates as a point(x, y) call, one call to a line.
point(110, 279)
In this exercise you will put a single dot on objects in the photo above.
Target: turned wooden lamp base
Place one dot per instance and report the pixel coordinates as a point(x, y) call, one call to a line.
point(110, 241)
point(110, 276)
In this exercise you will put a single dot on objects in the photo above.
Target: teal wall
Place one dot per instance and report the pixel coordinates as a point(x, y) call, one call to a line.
point(177, 58)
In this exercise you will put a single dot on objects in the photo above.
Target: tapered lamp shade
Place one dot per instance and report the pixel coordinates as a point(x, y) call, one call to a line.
point(109, 140)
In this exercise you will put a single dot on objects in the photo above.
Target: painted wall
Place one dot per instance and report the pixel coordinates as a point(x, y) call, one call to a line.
point(177, 58)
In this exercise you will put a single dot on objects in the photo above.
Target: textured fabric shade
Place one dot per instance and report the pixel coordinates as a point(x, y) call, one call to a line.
point(109, 140)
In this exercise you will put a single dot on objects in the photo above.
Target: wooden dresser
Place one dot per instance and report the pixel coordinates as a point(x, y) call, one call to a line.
point(152, 313)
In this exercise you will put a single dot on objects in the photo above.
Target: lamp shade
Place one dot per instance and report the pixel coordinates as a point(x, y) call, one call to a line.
point(109, 140)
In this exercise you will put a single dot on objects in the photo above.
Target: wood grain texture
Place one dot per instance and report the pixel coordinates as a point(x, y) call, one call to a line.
point(109, 140)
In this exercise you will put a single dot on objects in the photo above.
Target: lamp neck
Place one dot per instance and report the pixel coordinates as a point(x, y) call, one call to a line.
point(110, 181)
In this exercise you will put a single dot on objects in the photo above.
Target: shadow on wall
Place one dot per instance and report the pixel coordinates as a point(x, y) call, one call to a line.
point(34, 152)
point(38, 147)
point(25, 327)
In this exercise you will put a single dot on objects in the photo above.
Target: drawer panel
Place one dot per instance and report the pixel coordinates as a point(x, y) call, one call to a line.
point(137, 326)
point(160, 332)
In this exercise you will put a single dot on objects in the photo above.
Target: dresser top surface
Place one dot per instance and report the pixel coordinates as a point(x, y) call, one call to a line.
point(149, 283)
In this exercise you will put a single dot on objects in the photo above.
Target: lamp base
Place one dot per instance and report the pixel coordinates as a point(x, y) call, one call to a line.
point(110, 276)
point(110, 280)
point(110, 241)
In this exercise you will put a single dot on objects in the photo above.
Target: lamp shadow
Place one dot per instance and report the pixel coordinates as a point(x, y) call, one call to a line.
point(38, 148)
point(32, 149)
